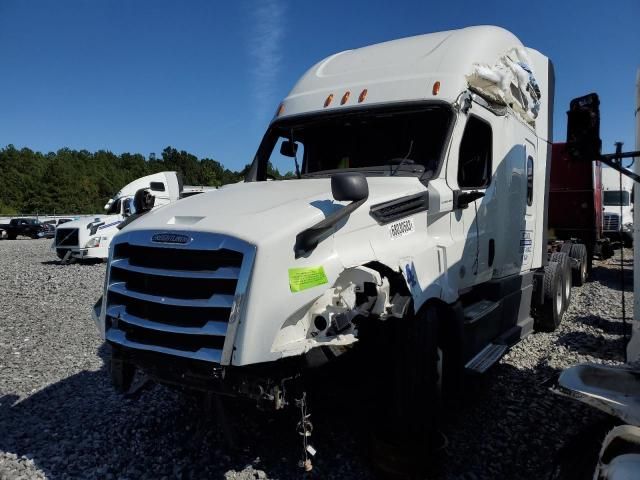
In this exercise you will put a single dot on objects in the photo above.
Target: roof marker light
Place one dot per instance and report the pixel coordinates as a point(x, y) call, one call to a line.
point(280, 110)
point(362, 96)
point(436, 88)
point(345, 97)
point(328, 101)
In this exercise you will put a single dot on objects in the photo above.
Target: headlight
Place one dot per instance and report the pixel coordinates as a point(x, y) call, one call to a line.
point(628, 226)
point(94, 242)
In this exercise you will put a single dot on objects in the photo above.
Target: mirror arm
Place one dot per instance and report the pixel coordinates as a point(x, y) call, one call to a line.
point(307, 240)
point(461, 200)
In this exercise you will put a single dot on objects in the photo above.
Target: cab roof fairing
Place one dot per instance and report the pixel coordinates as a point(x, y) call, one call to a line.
point(406, 69)
point(400, 70)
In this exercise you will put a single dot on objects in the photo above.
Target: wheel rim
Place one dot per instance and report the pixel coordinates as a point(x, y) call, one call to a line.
point(567, 284)
point(559, 296)
point(583, 270)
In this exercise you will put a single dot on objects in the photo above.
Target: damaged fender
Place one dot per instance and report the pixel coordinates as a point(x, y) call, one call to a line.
point(331, 320)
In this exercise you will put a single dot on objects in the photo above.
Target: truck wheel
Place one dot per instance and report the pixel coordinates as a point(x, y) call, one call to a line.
point(550, 315)
point(579, 252)
point(407, 423)
point(12, 237)
point(565, 265)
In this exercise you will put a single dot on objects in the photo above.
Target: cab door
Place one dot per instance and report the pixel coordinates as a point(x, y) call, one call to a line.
point(473, 194)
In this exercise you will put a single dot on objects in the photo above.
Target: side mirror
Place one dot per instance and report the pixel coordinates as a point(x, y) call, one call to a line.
point(143, 201)
point(349, 187)
point(461, 200)
point(583, 128)
point(288, 148)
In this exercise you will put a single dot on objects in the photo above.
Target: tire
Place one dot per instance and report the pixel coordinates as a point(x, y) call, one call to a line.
point(579, 253)
point(550, 314)
point(408, 419)
point(12, 237)
point(566, 247)
point(565, 265)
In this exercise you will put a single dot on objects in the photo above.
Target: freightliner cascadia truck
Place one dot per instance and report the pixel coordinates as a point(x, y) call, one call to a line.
point(414, 232)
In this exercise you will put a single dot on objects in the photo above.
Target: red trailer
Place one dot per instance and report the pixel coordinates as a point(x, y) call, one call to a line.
point(575, 208)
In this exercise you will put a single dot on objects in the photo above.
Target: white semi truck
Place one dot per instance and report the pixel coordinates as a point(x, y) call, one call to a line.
point(415, 231)
point(89, 238)
point(617, 205)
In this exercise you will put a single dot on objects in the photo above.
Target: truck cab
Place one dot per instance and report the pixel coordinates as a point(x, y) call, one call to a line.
point(417, 218)
point(617, 202)
point(89, 238)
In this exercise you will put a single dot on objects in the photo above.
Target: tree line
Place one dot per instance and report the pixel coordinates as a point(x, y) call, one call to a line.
point(78, 181)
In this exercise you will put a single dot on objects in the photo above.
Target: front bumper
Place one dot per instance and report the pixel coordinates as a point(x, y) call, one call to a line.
point(97, 253)
point(270, 384)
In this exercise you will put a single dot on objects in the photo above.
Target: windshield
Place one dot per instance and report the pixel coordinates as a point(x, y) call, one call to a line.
point(114, 209)
point(616, 197)
point(407, 141)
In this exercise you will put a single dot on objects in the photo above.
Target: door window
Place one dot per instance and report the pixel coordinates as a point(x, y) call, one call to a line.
point(474, 161)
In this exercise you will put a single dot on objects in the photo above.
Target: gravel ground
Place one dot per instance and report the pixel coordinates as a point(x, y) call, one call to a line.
point(60, 418)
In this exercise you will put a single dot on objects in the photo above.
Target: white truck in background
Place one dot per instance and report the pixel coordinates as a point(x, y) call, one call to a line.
point(89, 238)
point(616, 202)
point(414, 236)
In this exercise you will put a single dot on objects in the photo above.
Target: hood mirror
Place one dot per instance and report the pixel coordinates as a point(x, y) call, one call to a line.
point(349, 187)
point(288, 148)
point(143, 201)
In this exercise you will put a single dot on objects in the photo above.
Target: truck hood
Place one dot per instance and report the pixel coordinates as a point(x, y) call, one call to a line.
point(260, 212)
point(83, 223)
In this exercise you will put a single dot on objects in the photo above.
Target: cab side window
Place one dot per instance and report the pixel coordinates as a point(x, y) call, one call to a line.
point(474, 161)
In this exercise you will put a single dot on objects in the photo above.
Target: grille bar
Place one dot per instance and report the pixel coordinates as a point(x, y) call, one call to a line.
point(216, 301)
point(212, 327)
point(222, 273)
point(207, 354)
point(67, 237)
point(611, 221)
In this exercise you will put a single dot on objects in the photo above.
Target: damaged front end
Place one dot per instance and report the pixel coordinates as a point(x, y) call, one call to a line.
point(359, 294)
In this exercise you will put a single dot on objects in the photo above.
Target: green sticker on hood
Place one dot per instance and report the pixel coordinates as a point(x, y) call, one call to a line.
point(306, 277)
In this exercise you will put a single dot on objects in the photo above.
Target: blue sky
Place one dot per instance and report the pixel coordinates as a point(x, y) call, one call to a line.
point(206, 76)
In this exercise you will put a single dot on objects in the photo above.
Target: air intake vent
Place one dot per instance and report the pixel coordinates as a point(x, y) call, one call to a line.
point(400, 207)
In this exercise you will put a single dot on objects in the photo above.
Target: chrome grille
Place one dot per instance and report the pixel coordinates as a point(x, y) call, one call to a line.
point(66, 237)
point(611, 222)
point(182, 300)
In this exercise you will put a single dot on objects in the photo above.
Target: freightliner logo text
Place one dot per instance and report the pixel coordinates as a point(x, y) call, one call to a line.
point(170, 238)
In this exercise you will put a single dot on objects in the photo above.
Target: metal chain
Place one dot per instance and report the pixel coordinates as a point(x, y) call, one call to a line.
point(304, 428)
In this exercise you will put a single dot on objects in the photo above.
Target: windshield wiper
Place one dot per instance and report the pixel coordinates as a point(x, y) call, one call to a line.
point(400, 162)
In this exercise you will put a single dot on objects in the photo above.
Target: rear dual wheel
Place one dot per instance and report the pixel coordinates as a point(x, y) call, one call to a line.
point(565, 266)
point(581, 255)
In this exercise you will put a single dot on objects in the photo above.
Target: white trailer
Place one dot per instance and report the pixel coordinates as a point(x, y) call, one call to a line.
point(89, 238)
point(417, 224)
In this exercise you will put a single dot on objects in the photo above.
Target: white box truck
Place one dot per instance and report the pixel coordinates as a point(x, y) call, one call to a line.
point(416, 227)
point(89, 238)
